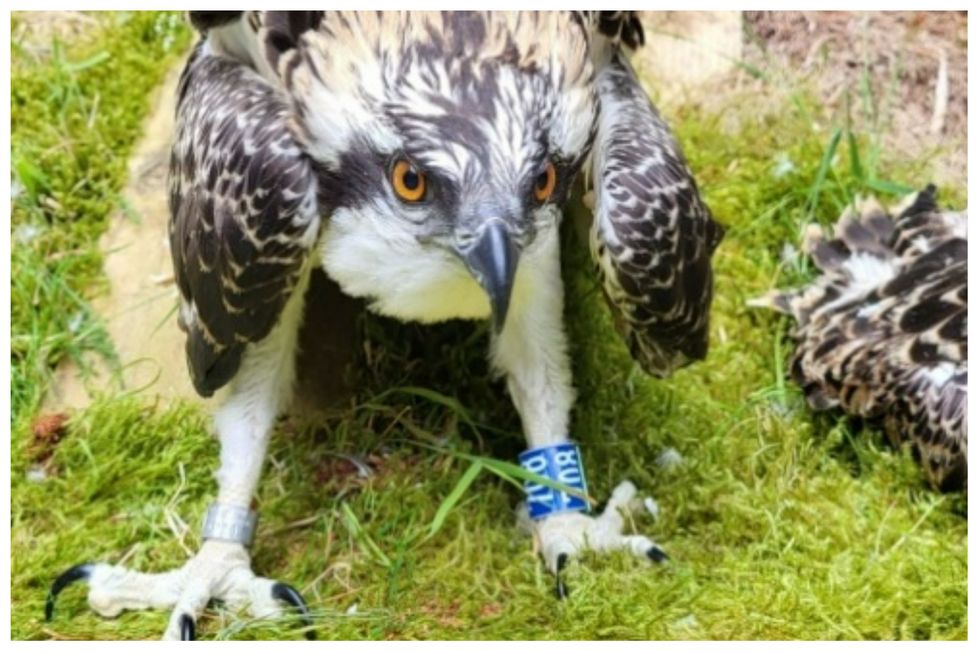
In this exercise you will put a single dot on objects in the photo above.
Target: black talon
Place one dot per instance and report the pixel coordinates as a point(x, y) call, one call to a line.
point(186, 628)
point(288, 594)
point(561, 591)
point(657, 554)
point(78, 572)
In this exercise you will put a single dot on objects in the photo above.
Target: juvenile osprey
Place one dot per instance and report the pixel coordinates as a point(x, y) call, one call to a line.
point(881, 332)
point(422, 161)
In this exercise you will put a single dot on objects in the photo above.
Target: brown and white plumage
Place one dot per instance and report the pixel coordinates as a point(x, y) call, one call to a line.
point(652, 237)
point(244, 213)
point(275, 94)
point(881, 333)
point(421, 160)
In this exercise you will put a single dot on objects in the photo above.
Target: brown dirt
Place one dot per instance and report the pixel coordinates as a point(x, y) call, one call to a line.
point(906, 55)
point(35, 30)
point(139, 309)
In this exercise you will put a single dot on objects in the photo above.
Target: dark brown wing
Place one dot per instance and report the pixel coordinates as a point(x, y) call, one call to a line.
point(618, 27)
point(882, 331)
point(653, 236)
point(243, 212)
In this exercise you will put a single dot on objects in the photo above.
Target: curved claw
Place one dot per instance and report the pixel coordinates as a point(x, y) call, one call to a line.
point(561, 590)
point(186, 628)
point(76, 573)
point(288, 594)
point(657, 554)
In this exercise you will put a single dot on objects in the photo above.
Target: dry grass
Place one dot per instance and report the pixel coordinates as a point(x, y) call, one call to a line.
point(913, 62)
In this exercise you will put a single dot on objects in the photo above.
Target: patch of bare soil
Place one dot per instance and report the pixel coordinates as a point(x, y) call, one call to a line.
point(139, 309)
point(34, 31)
point(915, 64)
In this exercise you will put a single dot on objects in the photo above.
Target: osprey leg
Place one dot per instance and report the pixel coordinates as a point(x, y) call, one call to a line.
point(532, 352)
point(221, 569)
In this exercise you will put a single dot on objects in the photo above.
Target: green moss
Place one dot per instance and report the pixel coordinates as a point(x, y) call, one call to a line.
point(780, 523)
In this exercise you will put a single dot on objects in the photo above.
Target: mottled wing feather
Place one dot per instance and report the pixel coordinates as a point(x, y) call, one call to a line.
point(882, 331)
point(652, 237)
point(617, 27)
point(243, 212)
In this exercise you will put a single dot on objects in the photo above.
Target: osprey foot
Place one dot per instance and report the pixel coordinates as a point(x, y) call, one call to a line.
point(220, 570)
point(560, 537)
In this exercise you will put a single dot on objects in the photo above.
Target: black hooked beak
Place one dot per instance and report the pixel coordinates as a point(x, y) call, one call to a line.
point(492, 260)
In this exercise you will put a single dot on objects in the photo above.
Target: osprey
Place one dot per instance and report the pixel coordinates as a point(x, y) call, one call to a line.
point(421, 160)
point(881, 333)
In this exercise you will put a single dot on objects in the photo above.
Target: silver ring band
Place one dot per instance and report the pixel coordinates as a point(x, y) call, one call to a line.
point(229, 523)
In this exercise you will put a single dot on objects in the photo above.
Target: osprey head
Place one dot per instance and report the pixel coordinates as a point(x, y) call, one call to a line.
point(458, 132)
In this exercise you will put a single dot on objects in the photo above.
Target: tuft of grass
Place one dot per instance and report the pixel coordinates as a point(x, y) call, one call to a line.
point(74, 118)
point(816, 515)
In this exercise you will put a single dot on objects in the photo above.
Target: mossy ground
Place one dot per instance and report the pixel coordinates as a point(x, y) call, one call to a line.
point(780, 523)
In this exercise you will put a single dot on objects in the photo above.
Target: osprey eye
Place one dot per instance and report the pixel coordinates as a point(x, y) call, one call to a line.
point(408, 182)
point(544, 185)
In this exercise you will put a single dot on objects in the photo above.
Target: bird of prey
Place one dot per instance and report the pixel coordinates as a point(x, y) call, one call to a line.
point(421, 160)
point(881, 332)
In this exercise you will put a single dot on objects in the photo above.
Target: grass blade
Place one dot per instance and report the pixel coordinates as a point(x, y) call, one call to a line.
point(818, 182)
point(94, 60)
point(354, 526)
point(510, 471)
point(437, 398)
point(857, 170)
point(32, 178)
point(889, 187)
point(453, 497)
point(506, 470)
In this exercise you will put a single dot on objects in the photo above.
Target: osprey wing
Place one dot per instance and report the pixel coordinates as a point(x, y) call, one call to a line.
point(616, 27)
point(882, 331)
point(652, 236)
point(243, 212)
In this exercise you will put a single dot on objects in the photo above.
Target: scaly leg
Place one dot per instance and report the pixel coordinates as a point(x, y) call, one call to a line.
point(221, 569)
point(532, 352)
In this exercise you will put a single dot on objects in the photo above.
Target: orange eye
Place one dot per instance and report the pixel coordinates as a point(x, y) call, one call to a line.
point(544, 185)
point(409, 183)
